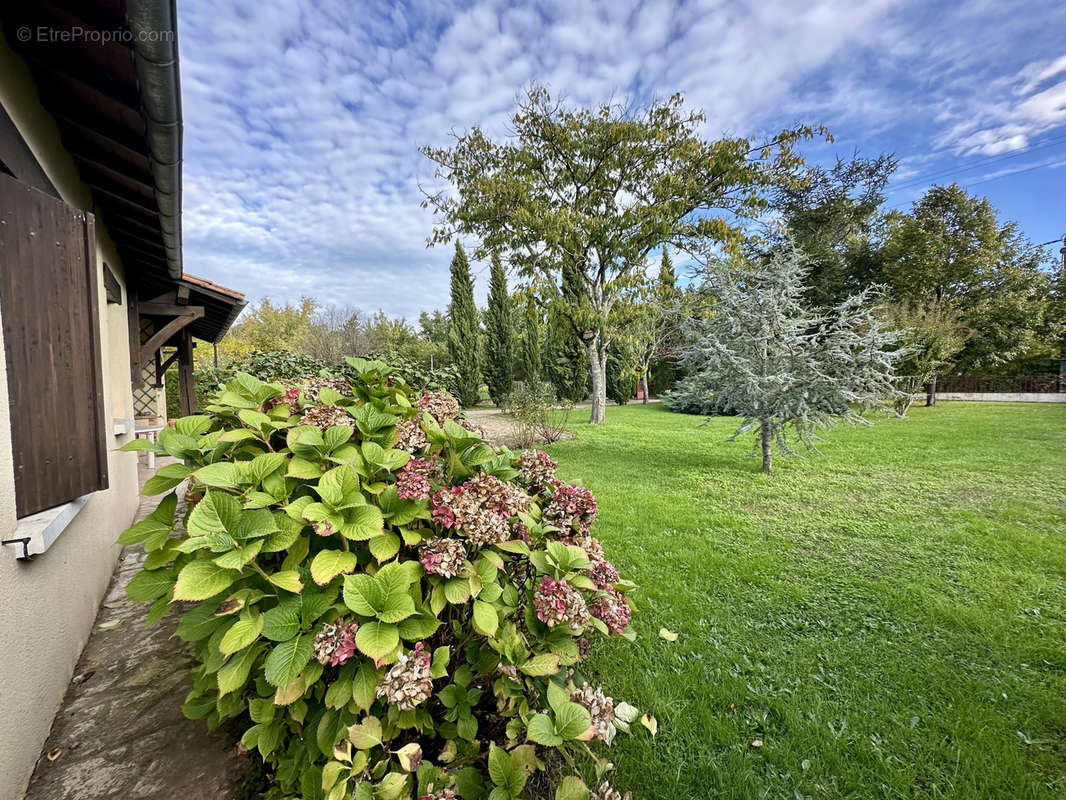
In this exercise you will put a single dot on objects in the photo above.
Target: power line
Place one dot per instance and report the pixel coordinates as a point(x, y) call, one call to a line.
point(911, 182)
point(1009, 174)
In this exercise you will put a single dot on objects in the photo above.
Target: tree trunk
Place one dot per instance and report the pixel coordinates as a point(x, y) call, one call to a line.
point(644, 385)
point(767, 442)
point(597, 372)
point(930, 393)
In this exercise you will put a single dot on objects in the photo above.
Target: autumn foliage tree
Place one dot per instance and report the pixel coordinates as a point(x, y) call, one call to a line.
point(594, 191)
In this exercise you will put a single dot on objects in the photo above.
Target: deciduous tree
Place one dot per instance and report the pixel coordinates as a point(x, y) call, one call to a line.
point(951, 252)
point(594, 190)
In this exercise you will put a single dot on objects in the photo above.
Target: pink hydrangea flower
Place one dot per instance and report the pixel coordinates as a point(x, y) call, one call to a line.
point(559, 603)
point(612, 610)
point(412, 483)
point(571, 507)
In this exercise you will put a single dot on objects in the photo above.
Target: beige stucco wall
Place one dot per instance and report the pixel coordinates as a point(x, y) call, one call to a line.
point(47, 605)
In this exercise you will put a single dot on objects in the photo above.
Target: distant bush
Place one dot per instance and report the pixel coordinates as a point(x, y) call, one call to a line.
point(539, 416)
point(691, 395)
point(387, 605)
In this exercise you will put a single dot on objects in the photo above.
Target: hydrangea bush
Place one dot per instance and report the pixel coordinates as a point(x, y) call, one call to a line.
point(392, 607)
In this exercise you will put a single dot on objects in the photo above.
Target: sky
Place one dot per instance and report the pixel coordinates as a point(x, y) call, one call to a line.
point(303, 118)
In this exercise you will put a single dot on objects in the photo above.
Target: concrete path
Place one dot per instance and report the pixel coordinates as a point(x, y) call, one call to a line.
point(120, 732)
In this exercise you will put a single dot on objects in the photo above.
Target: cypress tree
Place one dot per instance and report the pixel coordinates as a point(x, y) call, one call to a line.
point(664, 370)
point(464, 331)
point(530, 343)
point(499, 335)
point(667, 276)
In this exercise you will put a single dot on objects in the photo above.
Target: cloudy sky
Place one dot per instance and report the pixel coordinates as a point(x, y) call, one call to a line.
point(303, 117)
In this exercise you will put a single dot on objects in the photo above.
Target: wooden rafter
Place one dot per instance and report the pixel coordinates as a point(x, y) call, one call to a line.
point(160, 337)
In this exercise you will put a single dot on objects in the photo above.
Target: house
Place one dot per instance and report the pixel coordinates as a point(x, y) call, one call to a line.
point(95, 304)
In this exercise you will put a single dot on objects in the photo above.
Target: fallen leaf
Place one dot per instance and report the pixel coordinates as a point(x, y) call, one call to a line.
point(115, 604)
point(83, 677)
point(649, 722)
point(757, 743)
point(54, 753)
point(669, 636)
point(110, 625)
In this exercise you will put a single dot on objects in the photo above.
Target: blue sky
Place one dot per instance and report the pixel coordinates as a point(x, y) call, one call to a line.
point(302, 119)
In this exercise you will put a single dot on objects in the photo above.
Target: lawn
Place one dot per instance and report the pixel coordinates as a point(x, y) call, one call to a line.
point(887, 618)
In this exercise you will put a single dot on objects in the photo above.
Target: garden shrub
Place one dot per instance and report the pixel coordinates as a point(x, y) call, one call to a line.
point(538, 415)
point(388, 605)
point(283, 365)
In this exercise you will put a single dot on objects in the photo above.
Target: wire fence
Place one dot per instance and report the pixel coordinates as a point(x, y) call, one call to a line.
point(1046, 382)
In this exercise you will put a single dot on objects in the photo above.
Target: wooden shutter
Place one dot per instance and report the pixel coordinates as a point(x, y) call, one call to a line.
point(52, 345)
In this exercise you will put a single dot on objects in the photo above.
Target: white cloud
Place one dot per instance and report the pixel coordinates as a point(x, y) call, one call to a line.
point(302, 120)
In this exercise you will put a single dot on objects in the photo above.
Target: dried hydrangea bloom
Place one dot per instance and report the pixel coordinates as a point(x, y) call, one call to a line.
point(445, 557)
point(443, 505)
point(536, 468)
point(590, 544)
point(410, 437)
point(291, 399)
point(600, 708)
point(603, 573)
point(612, 610)
point(326, 417)
point(583, 647)
point(509, 670)
point(501, 498)
point(559, 603)
point(313, 386)
point(439, 794)
point(571, 507)
point(475, 429)
point(480, 508)
point(605, 792)
point(412, 482)
point(408, 682)
point(335, 643)
point(440, 405)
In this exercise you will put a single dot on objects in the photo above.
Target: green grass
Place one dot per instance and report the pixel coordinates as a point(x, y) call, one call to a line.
point(889, 617)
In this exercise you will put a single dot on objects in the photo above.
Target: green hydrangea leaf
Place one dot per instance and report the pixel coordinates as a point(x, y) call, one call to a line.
point(541, 665)
point(223, 474)
point(377, 639)
point(288, 579)
point(572, 721)
point(572, 788)
point(365, 684)
point(234, 673)
point(199, 580)
point(241, 634)
point(144, 587)
point(542, 731)
point(328, 564)
point(287, 660)
point(216, 513)
point(282, 622)
point(362, 523)
point(486, 620)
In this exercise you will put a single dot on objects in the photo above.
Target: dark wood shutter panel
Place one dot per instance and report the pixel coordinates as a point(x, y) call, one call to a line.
point(52, 345)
